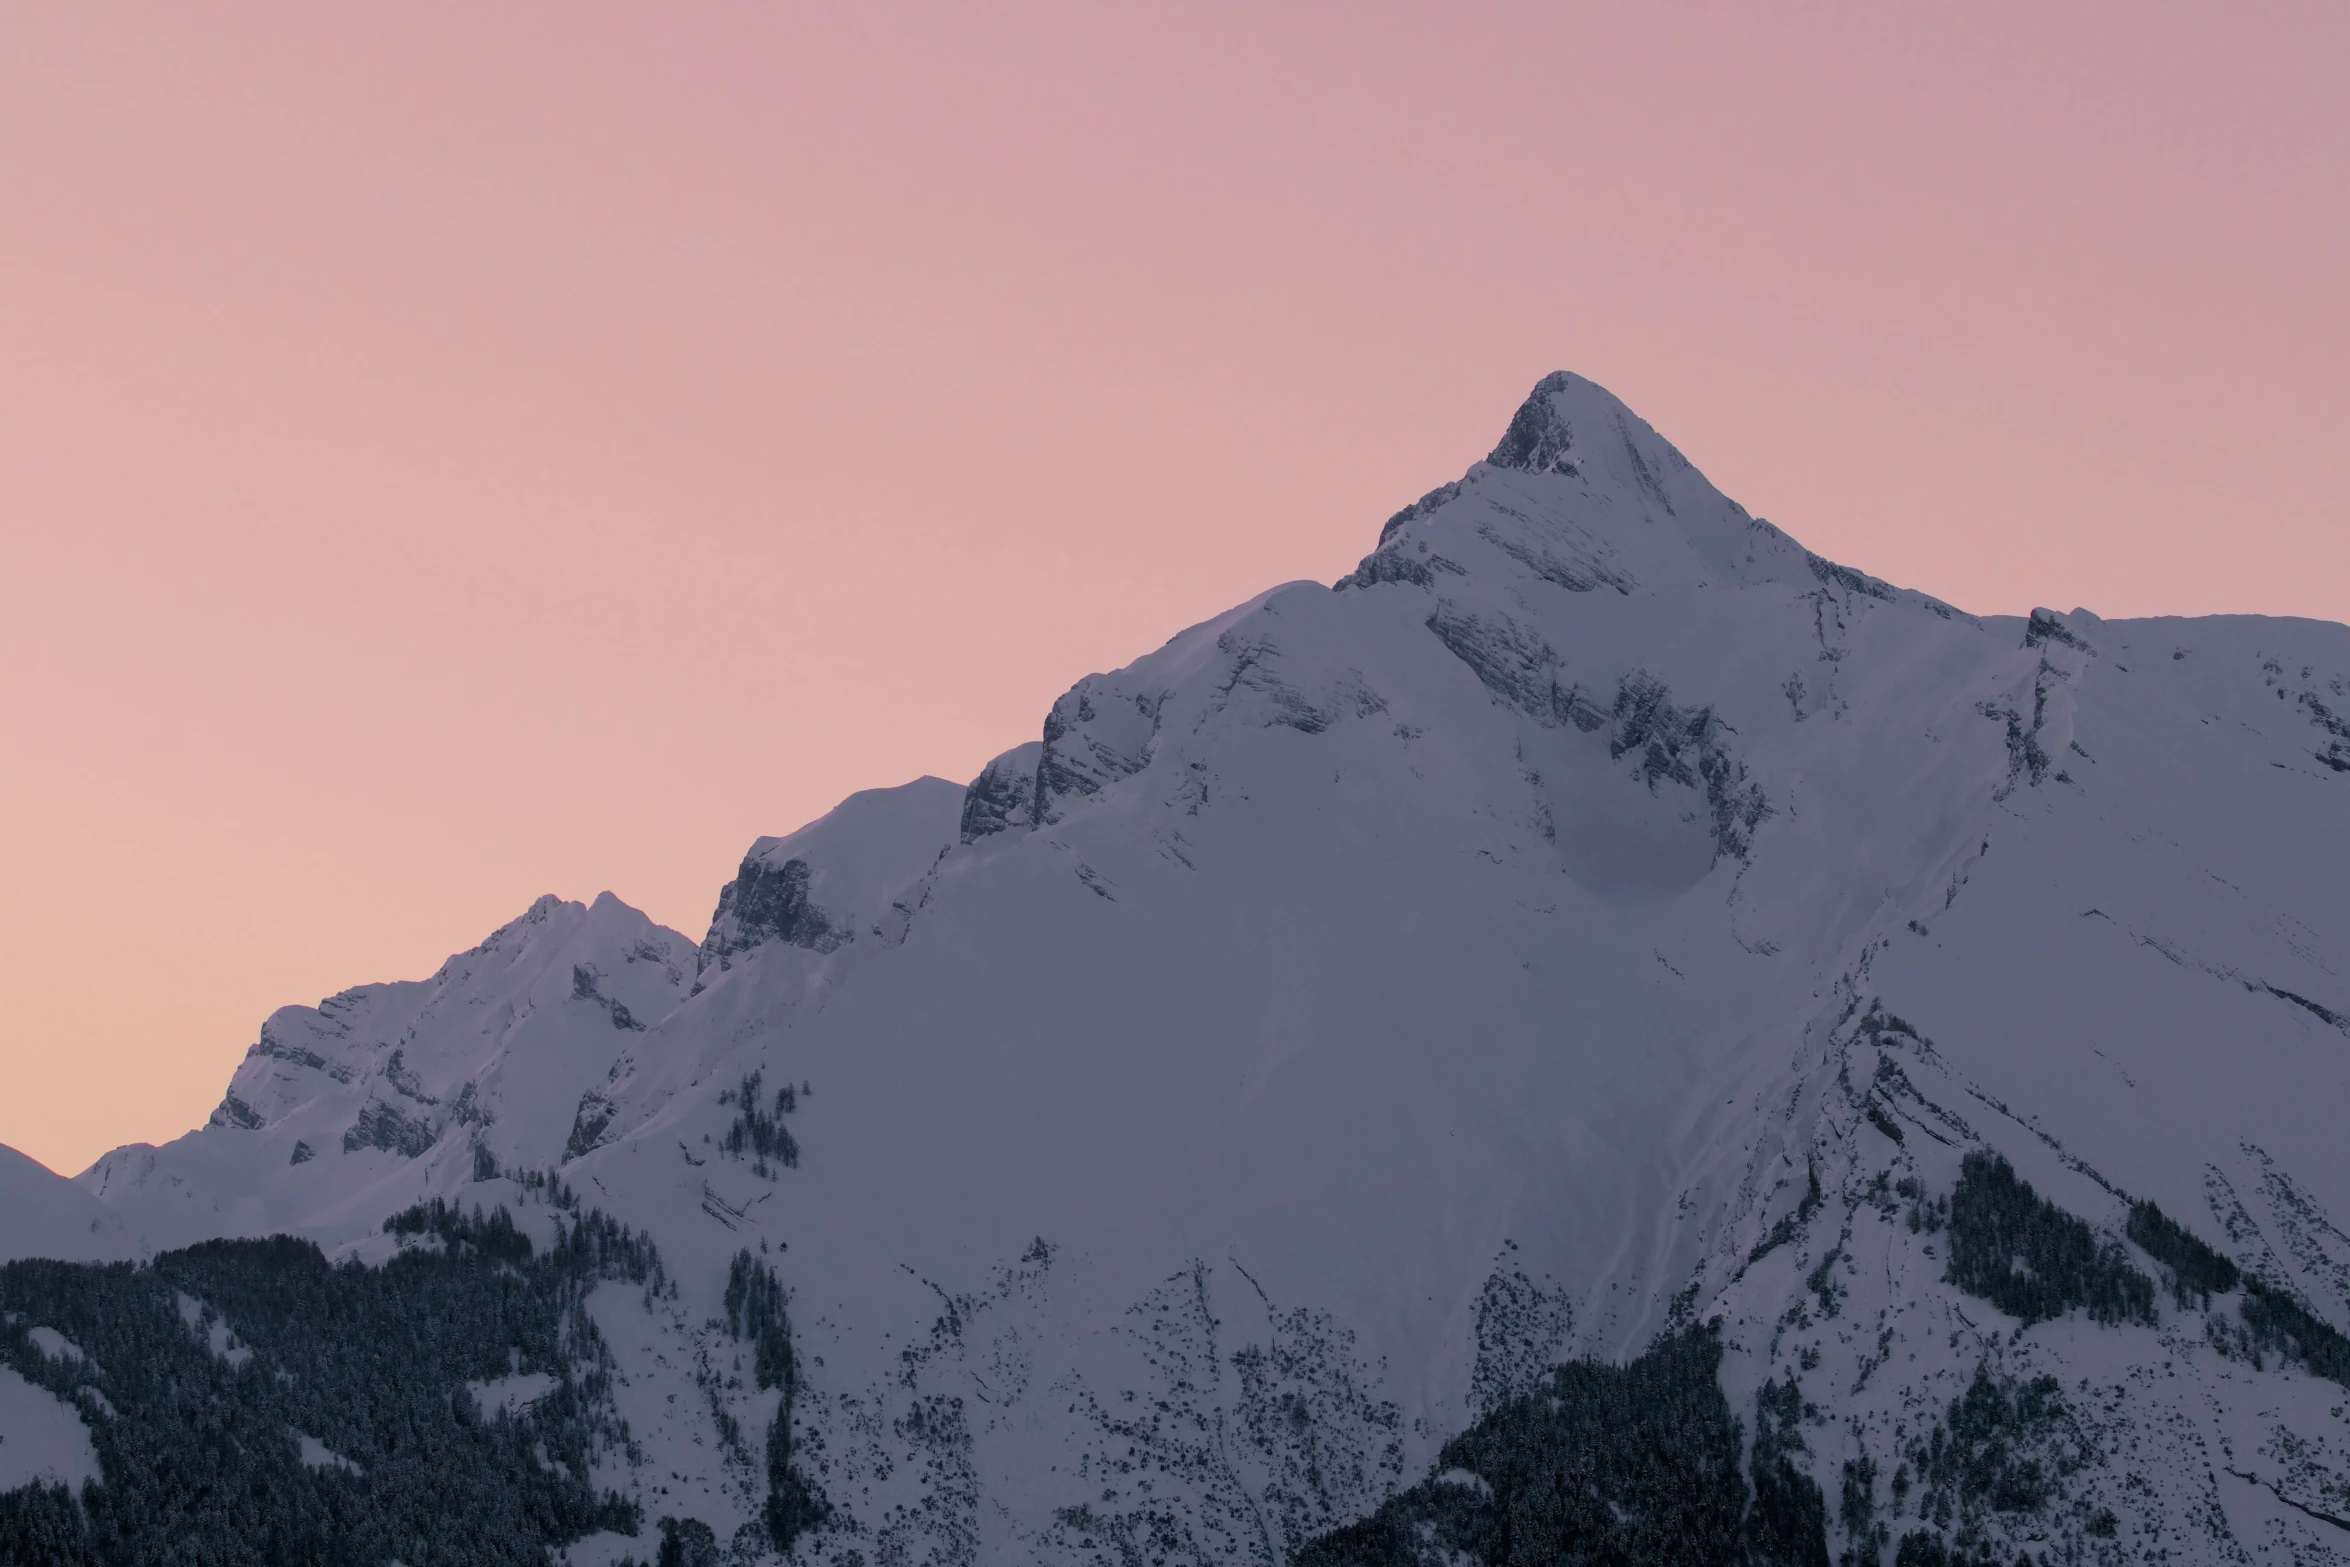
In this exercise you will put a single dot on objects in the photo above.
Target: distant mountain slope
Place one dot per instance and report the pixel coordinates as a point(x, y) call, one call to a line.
point(480, 1067)
point(1596, 921)
point(45, 1215)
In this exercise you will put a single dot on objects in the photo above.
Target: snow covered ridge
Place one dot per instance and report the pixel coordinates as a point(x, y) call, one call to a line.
point(1597, 928)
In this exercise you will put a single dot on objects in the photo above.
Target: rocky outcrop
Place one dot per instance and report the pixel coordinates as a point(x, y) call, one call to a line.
point(1539, 438)
point(1835, 576)
point(2047, 626)
point(1516, 664)
point(1688, 746)
point(766, 903)
point(1095, 735)
point(391, 1129)
point(1399, 563)
point(234, 1112)
point(1442, 495)
point(586, 985)
point(1579, 575)
point(1003, 796)
point(589, 1123)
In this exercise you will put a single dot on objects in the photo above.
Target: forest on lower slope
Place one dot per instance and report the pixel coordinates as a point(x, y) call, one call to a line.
point(252, 1403)
point(1603, 1464)
point(1606, 1464)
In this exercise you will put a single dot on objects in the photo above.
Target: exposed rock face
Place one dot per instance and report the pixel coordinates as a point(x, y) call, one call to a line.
point(587, 985)
point(769, 903)
point(1003, 796)
point(391, 1129)
point(1540, 438)
point(1100, 732)
point(1515, 664)
point(850, 877)
point(588, 1123)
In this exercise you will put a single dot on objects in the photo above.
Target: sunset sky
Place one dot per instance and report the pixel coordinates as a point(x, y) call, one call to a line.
point(455, 453)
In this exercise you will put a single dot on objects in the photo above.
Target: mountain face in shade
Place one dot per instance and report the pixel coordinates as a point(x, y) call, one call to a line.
point(484, 1063)
point(45, 1215)
point(1896, 1062)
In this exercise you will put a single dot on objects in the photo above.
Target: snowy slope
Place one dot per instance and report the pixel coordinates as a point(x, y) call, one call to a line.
point(42, 1438)
point(46, 1215)
point(339, 1110)
point(1377, 994)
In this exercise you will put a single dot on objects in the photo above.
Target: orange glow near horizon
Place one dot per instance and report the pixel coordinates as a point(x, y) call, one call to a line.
point(450, 454)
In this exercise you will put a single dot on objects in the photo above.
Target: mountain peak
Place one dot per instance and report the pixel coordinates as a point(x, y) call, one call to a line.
point(1581, 492)
point(1541, 434)
point(1604, 924)
point(1578, 429)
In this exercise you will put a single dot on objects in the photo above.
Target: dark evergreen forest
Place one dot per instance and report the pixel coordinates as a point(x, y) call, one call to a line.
point(1606, 1464)
point(2032, 1259)
point(200, 1452)
point(755, 1310)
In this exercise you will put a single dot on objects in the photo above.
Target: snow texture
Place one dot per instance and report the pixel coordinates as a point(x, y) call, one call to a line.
point(510, 1395)
point(1597, 913)
point(42, 1439)
point(206, 1324)
point(42, 1214)
point(317, 1455)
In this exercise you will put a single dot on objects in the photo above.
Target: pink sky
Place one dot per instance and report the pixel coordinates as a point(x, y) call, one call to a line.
point(454, 453)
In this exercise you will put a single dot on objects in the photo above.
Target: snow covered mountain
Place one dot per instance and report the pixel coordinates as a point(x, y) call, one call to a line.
point(1595, 918)
point(483, 1064)
point(45, 1215)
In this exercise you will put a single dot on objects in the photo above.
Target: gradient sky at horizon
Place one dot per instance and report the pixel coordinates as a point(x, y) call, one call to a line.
point(454, 453)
